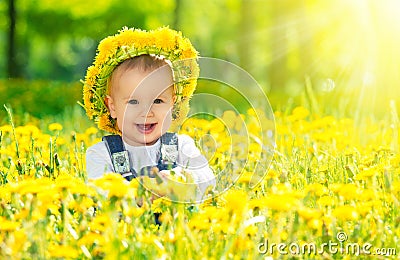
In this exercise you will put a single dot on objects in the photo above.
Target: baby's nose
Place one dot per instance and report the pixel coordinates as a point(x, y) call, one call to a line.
point(146, 110)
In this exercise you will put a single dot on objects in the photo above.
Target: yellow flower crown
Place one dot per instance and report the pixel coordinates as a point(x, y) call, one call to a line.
point(129, 43)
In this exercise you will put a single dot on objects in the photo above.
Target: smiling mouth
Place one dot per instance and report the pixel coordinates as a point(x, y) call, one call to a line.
point(146, 128)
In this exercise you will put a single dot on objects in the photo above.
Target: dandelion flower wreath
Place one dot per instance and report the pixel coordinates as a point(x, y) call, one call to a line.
point(129, 43)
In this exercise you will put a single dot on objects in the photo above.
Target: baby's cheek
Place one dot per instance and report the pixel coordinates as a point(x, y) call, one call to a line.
point(167, 120)
point(168, 115)
point(130, 112)
point(162, 110)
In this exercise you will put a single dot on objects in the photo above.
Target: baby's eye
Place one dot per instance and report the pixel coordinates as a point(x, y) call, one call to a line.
point(158, 101)
point(133, 102)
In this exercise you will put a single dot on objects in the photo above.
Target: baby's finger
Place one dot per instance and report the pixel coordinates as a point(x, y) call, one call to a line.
point(161, 176)
point(164, 174)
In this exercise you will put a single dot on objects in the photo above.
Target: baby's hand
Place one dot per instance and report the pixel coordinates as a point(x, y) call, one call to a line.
point(176, 184)
point(177, 174)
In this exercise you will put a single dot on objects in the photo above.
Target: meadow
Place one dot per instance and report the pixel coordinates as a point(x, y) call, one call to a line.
point(331, 191)
point(318, 177)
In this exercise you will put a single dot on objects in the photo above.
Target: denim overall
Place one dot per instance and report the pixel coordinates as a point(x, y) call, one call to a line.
point(120, 159)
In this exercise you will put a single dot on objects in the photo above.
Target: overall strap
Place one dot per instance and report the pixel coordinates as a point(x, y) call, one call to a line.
point(120, 159)
point(169, 151)
point(119, 156)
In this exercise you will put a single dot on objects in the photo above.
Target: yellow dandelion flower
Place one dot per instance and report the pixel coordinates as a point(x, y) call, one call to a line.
point(317, 189)
point(4, 191)
point(252, 112)
point(6, 129)
point(366, 173)
point(32, 130)
point(165, 38)
point(157, 205)
point(282, 189)
point(335, 187)
point(81, 138)
point(114, 184)
point(272, 174)
point(241, 244)
point(134, 184)
point(170, 237)
point(308, 213)
point(245, 177)
point(73, 185)
point(55, 127)
point(217, 125)
point(7, 225)
point(200, 223)
point(63, 251)
point(326, 201)
point(189, 88)
point(166, 217)
point(45, 206)
point(87, 99)
point(148, 238)
point(254, 128)
point(368, 194)
point(126, 37)
point(28, 130)
point(315, 223)
point(20, 236)
point(255, 148)
point(283, 234)
point(105, 124)
point(251, 230)
point(61, 141)
point(349, 191)
point(91, 238)
point(236, 201)
point(107, 46)
point(257, 203)
point(91, 75)
point(134, 212)
point(365, 208)
point(91, 131)
point(281, 202)
point(34, 186)
point(300, 113)
point(229, 118)
point(345, 212)
point(100, 223)
point(396, 187)
point(187, 49)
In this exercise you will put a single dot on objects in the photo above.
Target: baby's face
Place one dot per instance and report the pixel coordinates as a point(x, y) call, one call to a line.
point(142, 104)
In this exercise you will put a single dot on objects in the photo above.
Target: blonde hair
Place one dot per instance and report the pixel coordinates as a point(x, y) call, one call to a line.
point(142, 63)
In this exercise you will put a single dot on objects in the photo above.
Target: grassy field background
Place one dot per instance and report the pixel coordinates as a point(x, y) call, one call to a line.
point(333, 179)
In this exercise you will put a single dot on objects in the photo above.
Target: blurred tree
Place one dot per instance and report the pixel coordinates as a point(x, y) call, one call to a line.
point(246, 33)
point(12, 63)
point(305, 42)
point(340, 45)
point(277, 70)
point(65, 34)
point(177, 12)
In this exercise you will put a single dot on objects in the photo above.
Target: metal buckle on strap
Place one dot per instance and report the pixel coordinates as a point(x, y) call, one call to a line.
point(120, 161)
point(169, 153)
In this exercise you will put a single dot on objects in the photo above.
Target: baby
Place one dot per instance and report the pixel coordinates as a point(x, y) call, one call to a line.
point(139, 99)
